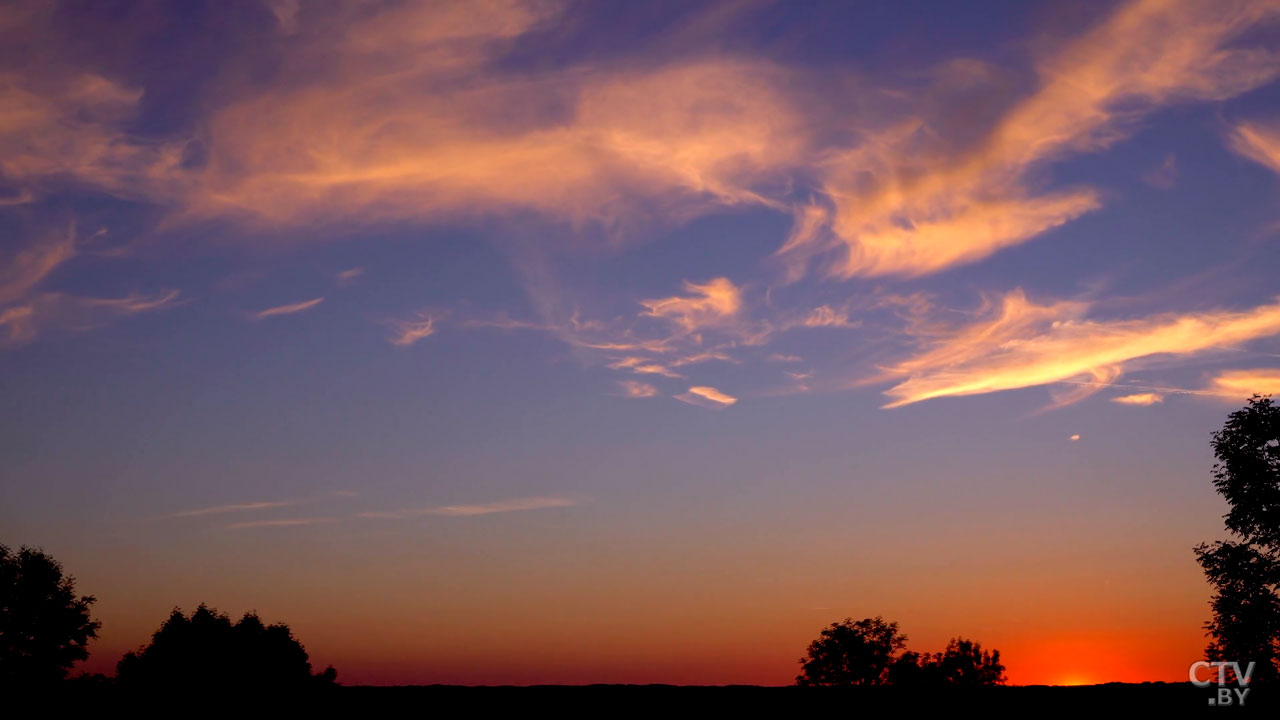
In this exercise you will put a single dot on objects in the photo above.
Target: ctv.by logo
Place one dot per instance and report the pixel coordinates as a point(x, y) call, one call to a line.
point(1227, 695)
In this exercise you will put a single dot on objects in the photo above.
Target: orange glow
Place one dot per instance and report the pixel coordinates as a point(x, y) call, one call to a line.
point(1092, 657)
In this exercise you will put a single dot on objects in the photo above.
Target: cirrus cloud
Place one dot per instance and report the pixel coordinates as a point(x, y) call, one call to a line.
point(905, 203)
point(290, 309)
point(1020, 344)
point(1237, 384)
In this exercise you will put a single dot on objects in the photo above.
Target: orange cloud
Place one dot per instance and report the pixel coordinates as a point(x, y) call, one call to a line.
point(420, 125)
point(707, 397)
point(1023, 344)
point(411, 331)
point(707, 305)
point(288, 309)
point(1239, 384)
point(414, 116)
point(905, 204)
point(70, 127)
point(1139, 399)
point(633, 389)
point(1258, 142)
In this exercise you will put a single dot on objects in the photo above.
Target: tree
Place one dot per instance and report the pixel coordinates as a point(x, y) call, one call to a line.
point(852, 653)
point(208, 652)
point(1245, 573)
point(44, 626)
point(1247, 473)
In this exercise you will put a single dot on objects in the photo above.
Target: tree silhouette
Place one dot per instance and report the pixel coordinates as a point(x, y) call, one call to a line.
point(1245, 626)
point(44, 627)
point(867, 653)
point(208, 652)
point(912, 669)
point(965, 664)
point(852, 653)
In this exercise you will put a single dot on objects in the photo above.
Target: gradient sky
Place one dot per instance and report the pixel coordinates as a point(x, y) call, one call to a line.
point(556, 342)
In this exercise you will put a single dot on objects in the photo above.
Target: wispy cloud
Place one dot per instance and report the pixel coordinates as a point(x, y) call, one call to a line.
point(346, 277)
point(707, 397)
point(501, 506)
point(905, 203)
point(707, 305)
point(1164, 175)
point(704, 356)
point(287, 309)
point(1023, 344)
point(1239, 384)
point(1259, 142)
point(825, 316)
point(22, 197)
point(419, 117)
point(51, 311)
point(643, 366)
point(1139, 399)
point(60, 124)
point(282, 522)
point(240, 507)
point(441, 128)
point(408, 332)
point(26, 269)
point(286, 14)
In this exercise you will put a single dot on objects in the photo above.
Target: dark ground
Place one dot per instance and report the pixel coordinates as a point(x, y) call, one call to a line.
point(1146, 699)
point(790, 701)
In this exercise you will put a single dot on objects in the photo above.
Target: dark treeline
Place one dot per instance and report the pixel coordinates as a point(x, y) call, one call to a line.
point(873, 652)
point(45, 628)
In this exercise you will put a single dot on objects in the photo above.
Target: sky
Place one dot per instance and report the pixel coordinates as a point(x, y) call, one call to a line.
point(571, 342)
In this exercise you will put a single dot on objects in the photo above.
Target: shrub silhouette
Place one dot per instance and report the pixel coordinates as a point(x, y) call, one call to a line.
point(207, 651)
point(44, 627)
point(852, 653)
point(1245, 574)
point(963, 664)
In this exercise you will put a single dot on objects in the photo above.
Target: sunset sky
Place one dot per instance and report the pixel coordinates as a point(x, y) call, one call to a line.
point(568, 342)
